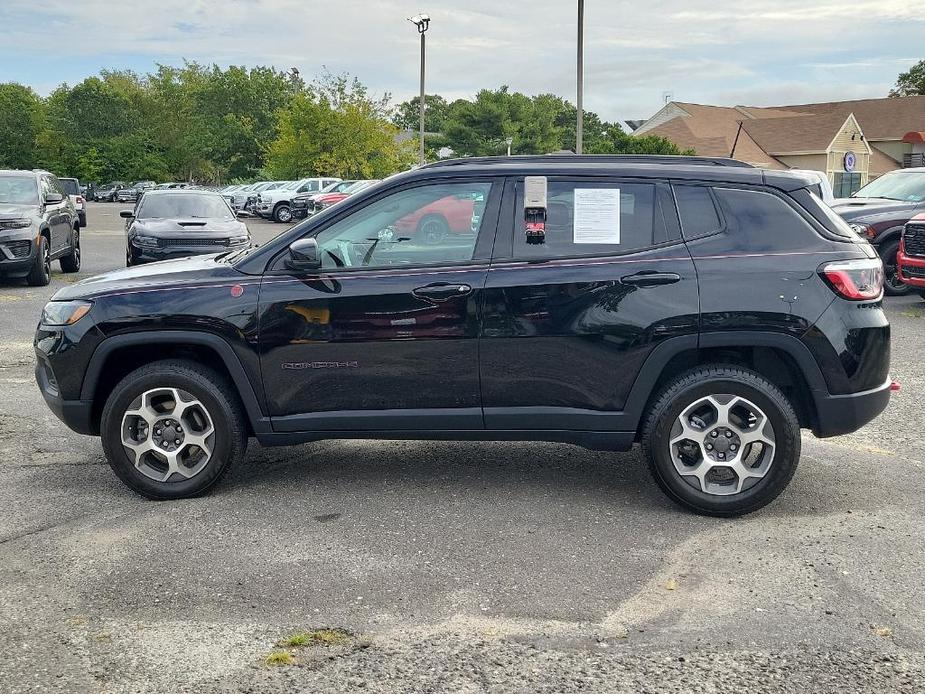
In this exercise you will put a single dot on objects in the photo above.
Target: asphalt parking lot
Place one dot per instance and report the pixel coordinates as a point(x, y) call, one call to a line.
point(463, 567)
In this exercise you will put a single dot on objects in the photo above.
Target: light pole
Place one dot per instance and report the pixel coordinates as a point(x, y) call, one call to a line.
point(579, 134)
point(422, 22)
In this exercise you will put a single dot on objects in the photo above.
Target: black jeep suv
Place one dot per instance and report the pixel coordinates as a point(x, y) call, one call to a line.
point(38, 224)
point(705, 309)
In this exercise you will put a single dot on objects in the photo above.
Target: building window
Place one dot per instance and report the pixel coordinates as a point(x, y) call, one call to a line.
point(846, 184)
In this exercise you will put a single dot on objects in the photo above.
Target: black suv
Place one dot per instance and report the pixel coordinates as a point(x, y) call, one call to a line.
point(705, 309)
point(38, 224)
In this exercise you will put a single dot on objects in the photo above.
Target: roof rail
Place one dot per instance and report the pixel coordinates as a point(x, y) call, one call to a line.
point(578, 158)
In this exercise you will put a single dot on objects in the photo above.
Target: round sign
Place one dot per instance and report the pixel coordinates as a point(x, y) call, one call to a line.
point(851, 160)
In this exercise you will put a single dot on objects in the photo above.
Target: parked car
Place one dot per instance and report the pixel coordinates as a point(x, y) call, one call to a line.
point(302, 204)
point(236, 196)
point(257, 188)
point(75, 192)
point(134, 192)
point(326, 200)
point(276, 203)
point(911, 257)
point(878, 212)
point(107, 193)
point(177, 223)
point(170, 186)
point(700, 307)
point(38, 224)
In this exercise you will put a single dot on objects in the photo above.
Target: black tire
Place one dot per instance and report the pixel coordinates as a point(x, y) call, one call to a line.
point(892, 285)
point(71, 262)
point(433, 229)
point(920, 292)
point(282, 213)
point(129, 256)
point(207, 386)
point(82, 219)
point(40, 273)
point(686, 389)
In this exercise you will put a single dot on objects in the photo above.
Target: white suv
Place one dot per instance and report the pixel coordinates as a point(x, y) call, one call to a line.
point(276, 203)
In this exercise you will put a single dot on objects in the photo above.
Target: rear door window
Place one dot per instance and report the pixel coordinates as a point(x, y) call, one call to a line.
point(593, 218)
point(697, 209)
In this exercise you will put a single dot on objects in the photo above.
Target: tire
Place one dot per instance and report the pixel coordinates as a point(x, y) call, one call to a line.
point(892, 285)
point(40, 273)
point(716, 493)
point(433, 229)
point(71, 262)
point(282, 213)
point(920, 292)
point(82, 219)
point(162, 383)
point(129, 256)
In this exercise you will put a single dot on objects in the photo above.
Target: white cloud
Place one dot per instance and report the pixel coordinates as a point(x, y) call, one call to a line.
point(750, 51)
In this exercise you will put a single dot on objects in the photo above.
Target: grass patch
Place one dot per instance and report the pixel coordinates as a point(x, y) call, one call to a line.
point(915, 312)
point(318, 637)
point(279, 658)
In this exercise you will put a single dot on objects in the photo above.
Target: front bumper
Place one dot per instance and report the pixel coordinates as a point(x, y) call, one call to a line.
point(151, 254)
point(911, 269)
point(12, 262)
point(76, 414)
point(844, 414)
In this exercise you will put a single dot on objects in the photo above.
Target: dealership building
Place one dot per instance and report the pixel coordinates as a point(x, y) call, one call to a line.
point(851, 141)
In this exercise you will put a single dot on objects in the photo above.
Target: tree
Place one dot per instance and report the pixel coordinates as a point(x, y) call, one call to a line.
point(407, 114)
point(911, 82)
point(352, 141)
point(21, 120)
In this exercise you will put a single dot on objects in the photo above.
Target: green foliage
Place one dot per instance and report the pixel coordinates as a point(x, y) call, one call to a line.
point(21, 119)
point(911, 82)
point(407, 114)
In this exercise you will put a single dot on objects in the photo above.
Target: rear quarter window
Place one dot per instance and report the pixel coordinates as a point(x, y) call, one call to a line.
point(769, 222)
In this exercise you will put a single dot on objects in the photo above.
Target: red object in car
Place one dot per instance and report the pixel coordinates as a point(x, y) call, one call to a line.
point(453, 213)
point(910, 260)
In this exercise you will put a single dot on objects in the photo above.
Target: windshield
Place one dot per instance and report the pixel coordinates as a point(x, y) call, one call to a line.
point(897, 185)
point(339, 187)
point(70, 186)
point(19, 190)
point(183, 205)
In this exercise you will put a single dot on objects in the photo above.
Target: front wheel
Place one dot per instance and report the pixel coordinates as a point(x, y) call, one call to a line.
point(722, 440)
point(172, 429)
point(40, 273)
point(892, 285)
point(282, 213)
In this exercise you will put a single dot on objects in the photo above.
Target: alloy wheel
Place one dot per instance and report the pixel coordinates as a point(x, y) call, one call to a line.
point(167, 433)
point(722, 444)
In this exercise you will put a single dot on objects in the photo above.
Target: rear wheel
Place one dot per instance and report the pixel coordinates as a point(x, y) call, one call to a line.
point(920, 292)
point(40, 273)
point(722, 440)
point(892, 285)
point(71, 262)
point(172, 429)
point(432, 230)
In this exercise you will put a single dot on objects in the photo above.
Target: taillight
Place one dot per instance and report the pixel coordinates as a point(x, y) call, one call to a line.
point(857, 280)
point(80, 200)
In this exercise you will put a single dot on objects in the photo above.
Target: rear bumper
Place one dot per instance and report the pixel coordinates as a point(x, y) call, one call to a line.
point(911, 269)
point(844, 414)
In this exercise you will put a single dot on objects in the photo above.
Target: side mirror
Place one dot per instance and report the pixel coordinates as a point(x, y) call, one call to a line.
point(127, 214)
point(303, 255)
point(53, 198)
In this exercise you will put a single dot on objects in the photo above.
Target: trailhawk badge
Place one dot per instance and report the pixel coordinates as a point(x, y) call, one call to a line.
point(303, 365)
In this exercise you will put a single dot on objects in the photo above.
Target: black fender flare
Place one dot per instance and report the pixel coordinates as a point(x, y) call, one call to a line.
point(891, 234)
point(652, 369)
point(242, 383)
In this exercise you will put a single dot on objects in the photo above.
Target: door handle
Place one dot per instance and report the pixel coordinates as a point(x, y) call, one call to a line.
point(441, 291)
point(649, 278)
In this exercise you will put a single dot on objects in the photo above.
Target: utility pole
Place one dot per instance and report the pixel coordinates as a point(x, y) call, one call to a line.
point(422, 22)
point(579, 134)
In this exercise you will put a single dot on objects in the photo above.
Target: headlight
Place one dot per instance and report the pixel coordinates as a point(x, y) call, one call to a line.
point(65, 312)
point(235, 240)
point(140, 240)
point(15, 223)
point(865, 230)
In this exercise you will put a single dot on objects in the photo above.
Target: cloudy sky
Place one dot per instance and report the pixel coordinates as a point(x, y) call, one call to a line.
point(755, 52)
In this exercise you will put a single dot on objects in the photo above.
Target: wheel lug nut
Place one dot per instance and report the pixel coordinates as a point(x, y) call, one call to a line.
point(179, 429)
point(709, 446)
point(728, 434)
point(732, 447)
point(157, 431)
point(177, 442)
point(714, 434)
point(721, 455)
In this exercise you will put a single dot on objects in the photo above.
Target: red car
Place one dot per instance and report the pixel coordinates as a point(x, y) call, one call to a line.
point(911, 257)
point(433, 222)
point(325, 200)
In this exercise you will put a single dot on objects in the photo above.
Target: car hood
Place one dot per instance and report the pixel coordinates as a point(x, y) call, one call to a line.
point(855, 208)
point(8, 210)
point(179, 273)
point(197, 226)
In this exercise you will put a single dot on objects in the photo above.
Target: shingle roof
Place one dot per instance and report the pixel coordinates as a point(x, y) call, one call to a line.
point(711, 130)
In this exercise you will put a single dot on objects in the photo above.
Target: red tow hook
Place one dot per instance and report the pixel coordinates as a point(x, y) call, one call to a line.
point(894, 386)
